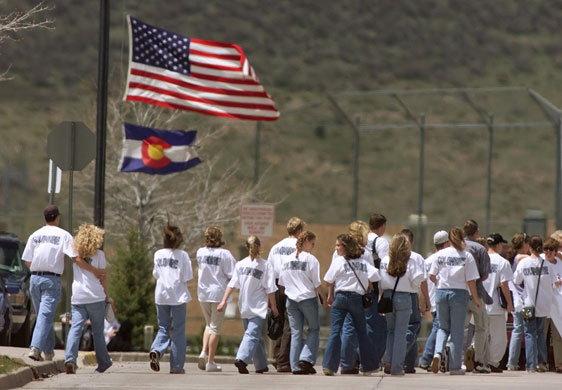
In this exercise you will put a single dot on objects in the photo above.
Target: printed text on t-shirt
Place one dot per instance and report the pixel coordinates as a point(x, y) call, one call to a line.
point(210, 260)
point(451, 261)
point(294, 266)
point(357, 266)
point(55, 240)
point(256, 273)
point(167, 262)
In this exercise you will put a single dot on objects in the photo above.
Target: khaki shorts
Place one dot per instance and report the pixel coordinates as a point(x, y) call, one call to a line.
point(213, 318)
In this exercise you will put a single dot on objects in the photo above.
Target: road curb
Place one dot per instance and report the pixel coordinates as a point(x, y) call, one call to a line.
point(24, 375)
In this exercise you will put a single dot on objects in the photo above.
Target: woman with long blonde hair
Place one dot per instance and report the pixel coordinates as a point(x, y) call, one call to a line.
point(457, 274)
point(89, 298)
point(254, 277)
point(400, 277)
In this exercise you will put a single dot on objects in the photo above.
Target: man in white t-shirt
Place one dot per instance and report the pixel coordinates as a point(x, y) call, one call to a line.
point(44, 256)
point(288, 245)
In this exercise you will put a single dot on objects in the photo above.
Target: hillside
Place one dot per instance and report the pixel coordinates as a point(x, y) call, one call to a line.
point(302, 51)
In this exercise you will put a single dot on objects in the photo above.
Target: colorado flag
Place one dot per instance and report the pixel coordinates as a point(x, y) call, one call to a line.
point(157, 151)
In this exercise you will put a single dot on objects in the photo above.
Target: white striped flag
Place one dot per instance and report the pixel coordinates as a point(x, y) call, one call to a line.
point(212, 78)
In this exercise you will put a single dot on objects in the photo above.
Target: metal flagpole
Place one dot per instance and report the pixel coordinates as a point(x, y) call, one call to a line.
point(101, 121)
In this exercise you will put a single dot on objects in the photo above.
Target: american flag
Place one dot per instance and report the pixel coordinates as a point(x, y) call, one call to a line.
point(208, 77)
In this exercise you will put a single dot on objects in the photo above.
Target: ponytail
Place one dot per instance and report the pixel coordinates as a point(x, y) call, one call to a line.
point(253, 245)
point(304, 236)
point(456, 237)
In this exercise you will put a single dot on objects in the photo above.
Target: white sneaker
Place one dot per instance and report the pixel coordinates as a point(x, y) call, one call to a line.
point(213, 367)
point(49, 356)
point(435, 363)
point(202, 362)
point(35, 354)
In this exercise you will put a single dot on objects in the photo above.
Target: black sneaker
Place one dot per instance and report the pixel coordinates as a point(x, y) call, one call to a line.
point(266, 369)
point(308, 367)
point(300, 372)
point(154, 357)
point(350, 371)
point(241, 367)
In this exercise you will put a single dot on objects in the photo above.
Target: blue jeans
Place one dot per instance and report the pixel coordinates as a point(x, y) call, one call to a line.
point(167, 314)
point(451, 310)
point(344, 303)
point(252, 346)
point(80, 313)
point(397, 324)
point(515, 341)
point(414, 327)
point(306, 310)
point(376, 331)
point(45, 294)
point(429, 349)
point(534, 343)
point(349, 345)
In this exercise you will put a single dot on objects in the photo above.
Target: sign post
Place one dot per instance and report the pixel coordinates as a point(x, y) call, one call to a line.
point(71, 146)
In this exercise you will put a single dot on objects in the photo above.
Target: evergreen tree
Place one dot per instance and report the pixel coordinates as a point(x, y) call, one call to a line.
point(131, 286)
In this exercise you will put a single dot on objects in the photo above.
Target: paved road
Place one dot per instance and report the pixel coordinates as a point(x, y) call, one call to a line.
point(135, 375)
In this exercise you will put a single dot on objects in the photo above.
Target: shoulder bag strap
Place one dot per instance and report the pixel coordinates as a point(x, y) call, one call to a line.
point(359, 280)
point(395, 285)
point(539, 283)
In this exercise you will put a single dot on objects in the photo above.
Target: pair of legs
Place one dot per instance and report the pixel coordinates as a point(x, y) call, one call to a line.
point(515, 341)
point(498, 337)
point(282, 346)
point(171, 319)
point(535, 343)
point(252, 346)
point(95, 312)
point(45, 294)
point(414, 327)
point(213, 321)
point(376, 332)
point(344, 303)
point(481, 329)
point(429, 350)
point(451, 311)
point(397, 324)
point(303, 350)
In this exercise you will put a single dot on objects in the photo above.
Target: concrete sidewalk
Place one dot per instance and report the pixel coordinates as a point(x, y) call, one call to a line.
point(34, 370)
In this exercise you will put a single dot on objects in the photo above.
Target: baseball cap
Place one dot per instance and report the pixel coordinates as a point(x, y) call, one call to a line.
point(51, 211)
point(440, 237)
point(495, 238)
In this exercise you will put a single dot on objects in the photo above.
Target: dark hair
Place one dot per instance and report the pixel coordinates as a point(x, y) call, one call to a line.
point(172, 236)
point(304, 236)
point(517, 242)
point(352, 249)
point(470, 228)
point(408, 233)
point(50, 213)
point(535, 242)
point(376, 221)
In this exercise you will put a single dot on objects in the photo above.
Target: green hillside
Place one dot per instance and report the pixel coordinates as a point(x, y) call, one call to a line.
point(303, 50)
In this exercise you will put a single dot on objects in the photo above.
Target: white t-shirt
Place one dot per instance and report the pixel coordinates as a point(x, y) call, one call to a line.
point(255, 281)
point(431, 287)
point(86, 288)
point(215, 270)
point(420, 261)
point(367, 256)
point(300, 275)
point(454, 268)
point(527, 271)
point(172, 270)
point(46, 247)
point(381, 246)
point(342, 275)
point(501, 272)
point(409, 282)
point(283, 248)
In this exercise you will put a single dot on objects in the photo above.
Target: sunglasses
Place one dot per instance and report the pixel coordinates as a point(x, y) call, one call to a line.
point(549, 249)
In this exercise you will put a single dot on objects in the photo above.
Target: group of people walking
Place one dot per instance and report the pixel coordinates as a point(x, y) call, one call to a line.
point(377, 290)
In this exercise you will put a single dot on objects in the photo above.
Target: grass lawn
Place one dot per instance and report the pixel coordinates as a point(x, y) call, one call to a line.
point(8, 365)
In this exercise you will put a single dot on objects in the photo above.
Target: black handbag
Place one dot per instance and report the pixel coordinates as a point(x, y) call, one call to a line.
point(367, 299)
point(274, 326)
point(503, 300)
point(385, 303)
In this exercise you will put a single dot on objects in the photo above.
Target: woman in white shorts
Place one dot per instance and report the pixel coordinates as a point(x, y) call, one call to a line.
point(216, 265)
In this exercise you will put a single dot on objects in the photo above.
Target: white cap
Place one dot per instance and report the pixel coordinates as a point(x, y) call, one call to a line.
point(440, 237)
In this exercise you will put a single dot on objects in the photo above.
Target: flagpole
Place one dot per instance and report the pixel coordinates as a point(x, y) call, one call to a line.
point(257, 153)
point(101, 119)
